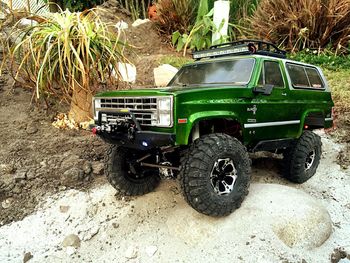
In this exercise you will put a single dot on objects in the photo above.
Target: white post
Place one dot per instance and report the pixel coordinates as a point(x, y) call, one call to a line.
point(221, 12)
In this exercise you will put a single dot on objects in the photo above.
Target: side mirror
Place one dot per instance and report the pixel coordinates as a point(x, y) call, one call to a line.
point(265, 90)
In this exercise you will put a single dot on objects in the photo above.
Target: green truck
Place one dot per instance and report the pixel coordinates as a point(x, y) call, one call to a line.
point(235, 98)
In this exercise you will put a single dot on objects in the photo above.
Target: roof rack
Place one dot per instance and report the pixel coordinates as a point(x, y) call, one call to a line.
point(241, 47)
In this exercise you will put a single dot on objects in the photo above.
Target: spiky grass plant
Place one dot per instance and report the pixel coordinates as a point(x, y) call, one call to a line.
point(299, 24)
point(68, 55)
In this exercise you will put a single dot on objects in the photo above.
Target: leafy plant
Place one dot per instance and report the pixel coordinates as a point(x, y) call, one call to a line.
point(176, 62)
point(299, 24)
point(326, 59)
point(74, 5)
point(67, 55)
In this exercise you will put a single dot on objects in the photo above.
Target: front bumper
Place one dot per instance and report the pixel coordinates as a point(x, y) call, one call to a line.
point(142, 140)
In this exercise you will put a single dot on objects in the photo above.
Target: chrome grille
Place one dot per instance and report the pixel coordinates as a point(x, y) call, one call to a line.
point(144, 109)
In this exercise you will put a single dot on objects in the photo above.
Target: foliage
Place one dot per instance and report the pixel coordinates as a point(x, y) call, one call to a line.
point(76, 5)
point(137, 8)
point(176, 62)
point(175, 15)
point(326, 59)
point(67, 55)
point(300, 24)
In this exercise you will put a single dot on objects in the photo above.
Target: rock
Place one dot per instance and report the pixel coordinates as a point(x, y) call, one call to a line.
point(19, 176)
point(91, 233)
point(151, 250)
point(70, 250)
point(16, 190)
point(127, 72)
point(87, 168)
point(7, 203)
point(97, 168)
point(64, 208)
point(163, 74)
point(31, 128)
point(131, 253)
point(72, 175)
point(121, 25)
point(139, 22)
point(71, 240)
point(27, 256)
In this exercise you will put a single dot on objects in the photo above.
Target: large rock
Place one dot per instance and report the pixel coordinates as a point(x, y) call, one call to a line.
point(163, 74)
point(273, 212)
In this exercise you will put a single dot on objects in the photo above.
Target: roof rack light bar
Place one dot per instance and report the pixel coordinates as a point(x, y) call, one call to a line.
point(241, 47)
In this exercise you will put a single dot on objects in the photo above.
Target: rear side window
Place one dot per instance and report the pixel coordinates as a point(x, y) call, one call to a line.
point(304, 77)
point(271, 74)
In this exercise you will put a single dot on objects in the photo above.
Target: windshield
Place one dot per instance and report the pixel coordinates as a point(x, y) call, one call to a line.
point(236, 72)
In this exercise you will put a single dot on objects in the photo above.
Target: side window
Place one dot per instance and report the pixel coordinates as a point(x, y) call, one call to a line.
point(271, 74)
point(304, 77)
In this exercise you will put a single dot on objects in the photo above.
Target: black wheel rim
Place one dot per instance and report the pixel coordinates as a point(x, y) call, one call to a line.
point(223, 176)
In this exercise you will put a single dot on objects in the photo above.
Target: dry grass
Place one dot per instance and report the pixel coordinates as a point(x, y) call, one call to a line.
point(175, 15)
point(298, 24)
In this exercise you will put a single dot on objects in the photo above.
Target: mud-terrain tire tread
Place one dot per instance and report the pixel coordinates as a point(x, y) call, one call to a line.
point(295, 156)
point(196, 165)
point(118, 177)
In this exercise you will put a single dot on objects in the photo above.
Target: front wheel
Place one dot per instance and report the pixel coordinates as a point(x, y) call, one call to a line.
point(215, 174)
point(302, 159)
point(126, 175)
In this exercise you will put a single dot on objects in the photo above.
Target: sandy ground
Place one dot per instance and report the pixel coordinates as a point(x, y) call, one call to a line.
point(161, 227)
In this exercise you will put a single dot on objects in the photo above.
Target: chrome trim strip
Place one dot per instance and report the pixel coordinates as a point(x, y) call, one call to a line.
point(270, 124)
point(328, 119)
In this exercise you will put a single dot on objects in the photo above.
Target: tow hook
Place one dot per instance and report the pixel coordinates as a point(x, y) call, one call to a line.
point(95, 130)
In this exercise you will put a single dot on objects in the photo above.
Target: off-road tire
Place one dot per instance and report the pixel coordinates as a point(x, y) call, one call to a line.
point(197, 166)
point(296, 157)
point(119, 176)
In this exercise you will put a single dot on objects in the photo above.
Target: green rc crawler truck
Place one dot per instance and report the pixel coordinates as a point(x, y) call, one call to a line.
point(236, 98)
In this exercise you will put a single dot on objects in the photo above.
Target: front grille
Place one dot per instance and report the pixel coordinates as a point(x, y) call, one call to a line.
point(144, 109)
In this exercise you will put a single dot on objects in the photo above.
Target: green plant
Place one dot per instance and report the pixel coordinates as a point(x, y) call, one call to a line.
point(73, 5)
point(326, 59)
point(200, 36)
point(137, 8)
point(67, 55)
point(176, 62)
point(300, 24)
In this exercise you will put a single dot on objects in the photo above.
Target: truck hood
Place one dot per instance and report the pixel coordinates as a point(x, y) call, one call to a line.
point(163, 91)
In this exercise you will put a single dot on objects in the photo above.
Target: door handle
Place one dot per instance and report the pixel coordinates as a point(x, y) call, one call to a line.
point(284, 94)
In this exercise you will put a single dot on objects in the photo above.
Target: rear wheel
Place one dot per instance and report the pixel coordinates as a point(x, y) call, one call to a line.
point(302, 159)
point(215, 174)
point(126, 175)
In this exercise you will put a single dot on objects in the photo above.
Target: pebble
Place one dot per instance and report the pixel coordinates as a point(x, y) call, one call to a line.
point(7, 203)
point(97, 168)
point(64, 208)
point(31, 128)
point(131, 253)
point(71, 240)
point(27, 256)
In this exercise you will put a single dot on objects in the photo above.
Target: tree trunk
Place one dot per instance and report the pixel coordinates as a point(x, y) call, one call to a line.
point(81, 105)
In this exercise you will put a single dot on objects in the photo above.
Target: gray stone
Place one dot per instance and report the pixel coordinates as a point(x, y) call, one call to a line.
point(73, 175)
point(97, 168)
point(31, 128)
point(27, 256)
point(131, 253)
point(71, 240)
point(19, 176)
point(87, 168)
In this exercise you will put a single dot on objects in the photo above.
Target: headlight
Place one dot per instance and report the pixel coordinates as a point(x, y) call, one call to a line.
point(164, 111)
